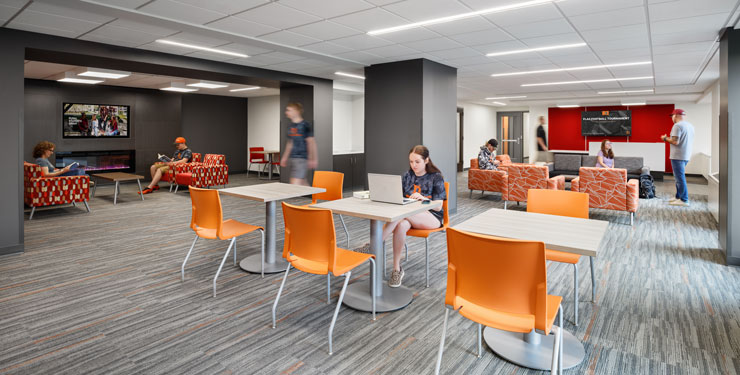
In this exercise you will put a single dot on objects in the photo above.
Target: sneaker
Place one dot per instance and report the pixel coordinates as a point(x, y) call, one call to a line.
point(679, 202)
point(673, 200)
point(365, 249)
point(155, 187)
point(396, 277)
point(147, 191)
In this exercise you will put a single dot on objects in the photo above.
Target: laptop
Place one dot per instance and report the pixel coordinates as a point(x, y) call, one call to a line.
point(387, 188)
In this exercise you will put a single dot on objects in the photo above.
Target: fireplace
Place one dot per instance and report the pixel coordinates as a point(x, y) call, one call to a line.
point(99, 161)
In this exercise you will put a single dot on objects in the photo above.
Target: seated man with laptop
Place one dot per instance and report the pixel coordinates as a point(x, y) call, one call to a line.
point(422, 182)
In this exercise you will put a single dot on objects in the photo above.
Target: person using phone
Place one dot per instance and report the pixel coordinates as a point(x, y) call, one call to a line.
point(42, 151)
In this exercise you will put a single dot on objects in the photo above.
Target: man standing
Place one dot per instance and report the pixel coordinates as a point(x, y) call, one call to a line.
point(300, 149)
point(681, 139)
point(182, 155)
point(487, 155)
point(542, 151)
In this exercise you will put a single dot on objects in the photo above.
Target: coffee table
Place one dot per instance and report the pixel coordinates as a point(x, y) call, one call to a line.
point(117, 177)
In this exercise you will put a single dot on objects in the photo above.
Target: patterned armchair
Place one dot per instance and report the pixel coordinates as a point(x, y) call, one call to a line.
point(608, 188)
point(212, 171)
point(42, 191)
point(486, 180)
point(181, 168)
point(523, 177)
point(505, 162)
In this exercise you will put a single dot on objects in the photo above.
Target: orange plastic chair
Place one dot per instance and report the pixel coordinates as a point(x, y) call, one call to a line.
point(519, 301)
point(333, 182)
point(208, 222)
point(564, 203)
point(310, 246)
point(426, 232)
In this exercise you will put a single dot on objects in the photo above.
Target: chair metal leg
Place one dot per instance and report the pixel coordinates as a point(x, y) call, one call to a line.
point(345, 229)
point(262, 252)
point(235, 251)
point(560, 352)
point(385, 271)
point(480, 333)
point(593, 280)
point(86, 206)
point(426, 253)
point(74, 204)
point(442, 342)
point(506, 203)
point(328, 287)
point(182, 268)
point(336, 310)
point(632, 218)
point(249, 169)
point(176, 188)
point(233, 240)
point(280, 291)
point(30, 217)
point(557, 345)
point(575, 295)
point(471, 195)
point(372, 281)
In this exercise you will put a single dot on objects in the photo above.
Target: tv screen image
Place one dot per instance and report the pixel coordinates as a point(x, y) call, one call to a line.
point(606, 123)
point(95, 120)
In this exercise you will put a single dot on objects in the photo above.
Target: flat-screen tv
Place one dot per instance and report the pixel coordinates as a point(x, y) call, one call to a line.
point(95, 120)
point(606, 123)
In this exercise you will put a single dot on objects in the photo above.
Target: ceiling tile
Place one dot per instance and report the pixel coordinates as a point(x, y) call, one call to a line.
point(276, 15)
point(120, 34)
point(421, 10)
point(143, 27)
point(359, 56)
point(544, 12)
point(288, 38)
point(371, 19)
point(181, 12)
point(328, 9)
point(242, 27)
point(455, 53)
point(325, 30)
point(611, 33)
point(51, 24)
point(410, 35)
point(226, 6)
point(574, 8)
point(435, 44)
point(7, 11)
point(392, 50)
point(481, 37)
point(197, 39)
point(539, 29)
point(131, 4)
point(684, 37)
point(612, 18)
point(245, 49)
point(328, 48)
point(688, 8)
point(61, 11)
point(362, 41)
point(468, 25)
point(555, 39)
point(707, 23)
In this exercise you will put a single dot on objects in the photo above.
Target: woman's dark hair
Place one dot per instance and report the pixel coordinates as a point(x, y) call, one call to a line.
point(493, 142)
point(609, 154)
point(424, 153)
point(41, 148)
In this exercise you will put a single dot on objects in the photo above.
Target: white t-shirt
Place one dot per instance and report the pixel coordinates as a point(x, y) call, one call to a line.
point(684, 131)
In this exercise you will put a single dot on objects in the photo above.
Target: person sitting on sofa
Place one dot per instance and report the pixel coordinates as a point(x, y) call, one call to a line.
point(605, 158)
point(487, 155)
point(41, 153)
point(181, 155)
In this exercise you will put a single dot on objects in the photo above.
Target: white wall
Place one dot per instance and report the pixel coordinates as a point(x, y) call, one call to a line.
point(714, 166)
point(349, 123)
point(479, 125)
point(263, 123)
point(358, 123)
point(699, 115)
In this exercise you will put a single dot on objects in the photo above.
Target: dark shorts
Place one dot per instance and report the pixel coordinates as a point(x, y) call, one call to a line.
point(439, 215)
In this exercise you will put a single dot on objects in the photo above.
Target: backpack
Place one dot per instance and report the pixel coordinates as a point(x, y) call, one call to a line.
point(647, 188)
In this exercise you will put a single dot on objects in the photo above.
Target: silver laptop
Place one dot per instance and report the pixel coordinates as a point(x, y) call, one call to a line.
point(387, 188)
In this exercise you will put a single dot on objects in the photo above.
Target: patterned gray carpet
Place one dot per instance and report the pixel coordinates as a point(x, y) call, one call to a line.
point(101, 293)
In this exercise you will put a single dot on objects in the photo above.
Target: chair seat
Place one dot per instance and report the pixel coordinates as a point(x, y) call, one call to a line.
point(184, 178)
point(561, 256)
point(345, 261)
point(424, 233)
point(507, 321)
point(229, 229)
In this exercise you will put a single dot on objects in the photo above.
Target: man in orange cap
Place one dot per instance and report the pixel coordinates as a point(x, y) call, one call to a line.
point(181, 155)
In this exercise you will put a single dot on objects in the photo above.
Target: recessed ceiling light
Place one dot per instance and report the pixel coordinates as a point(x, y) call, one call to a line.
point(568, 105)
point(71, 77)
point(507, 97)
point(177, 87)
point(193, 46)
point(585, 81)
point(349, 75)
point(246, 89)
point(623, 92)
point(498, 103)
point(103, 73)
point(537, 49)
point(208, 85)
point(572, 69)
point(456, 17)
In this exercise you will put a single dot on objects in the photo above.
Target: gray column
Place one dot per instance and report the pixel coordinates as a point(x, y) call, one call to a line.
point(408, 103)
point(729, 136)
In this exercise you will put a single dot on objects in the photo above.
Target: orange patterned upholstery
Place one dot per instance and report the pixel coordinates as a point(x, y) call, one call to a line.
point(486, 180)
point(607, 188)
point(523, 177)
point(505, 162)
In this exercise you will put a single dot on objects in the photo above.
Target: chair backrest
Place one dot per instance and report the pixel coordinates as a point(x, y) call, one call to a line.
point(474, 163)
point(504, 158)
point(197, 157)
point(606, 187)
point(256, 157)
point(516, 268)
point(309, 234)
point(214, 159)
point(558, 202)
point(523, 177)
point(207, 218)
point(31, 170)
point(331, 181)
point(446, 214)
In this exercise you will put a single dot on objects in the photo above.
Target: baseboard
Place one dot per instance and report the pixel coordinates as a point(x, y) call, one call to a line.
point(733, 261)
point(14, 249)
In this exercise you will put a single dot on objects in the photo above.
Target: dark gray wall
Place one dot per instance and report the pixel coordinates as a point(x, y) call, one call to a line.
point(729, 157)
point(217, 125)
point(11, 144)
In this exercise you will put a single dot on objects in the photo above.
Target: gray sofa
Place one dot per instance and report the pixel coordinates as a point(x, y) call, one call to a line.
point(568, 165)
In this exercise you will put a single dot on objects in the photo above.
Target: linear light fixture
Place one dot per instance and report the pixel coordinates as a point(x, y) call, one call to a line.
point(103, 73)
point(507, 97)
point(537, 49)
point(568, 105)
point(71, 77)
point(349, 75)
point(208, 49)
point(208, 85)
point(461, 16)
point(634, 102)
point(623, 92)
point(586, 81)
point(572, 69)
point(498, 103)
point(177, 87)
point(246, 89)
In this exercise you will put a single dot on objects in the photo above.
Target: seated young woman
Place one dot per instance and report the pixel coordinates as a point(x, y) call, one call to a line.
point(41, 153)
point(605, 157)
point(423, 181)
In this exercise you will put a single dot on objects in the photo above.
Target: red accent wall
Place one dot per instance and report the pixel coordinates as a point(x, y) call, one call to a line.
point(649, 122)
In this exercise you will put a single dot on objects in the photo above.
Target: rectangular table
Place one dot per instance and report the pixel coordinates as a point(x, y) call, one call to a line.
point(567, 234)
point(269, 154)
point(269, 194)
point(359, 294)
point(118, 177)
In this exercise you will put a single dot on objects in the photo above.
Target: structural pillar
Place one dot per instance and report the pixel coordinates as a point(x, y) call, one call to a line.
point(729, 136)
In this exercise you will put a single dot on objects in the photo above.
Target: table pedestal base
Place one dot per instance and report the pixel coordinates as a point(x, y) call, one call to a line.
point(533, 350)
point(253, 264)
point(358, 297)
